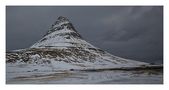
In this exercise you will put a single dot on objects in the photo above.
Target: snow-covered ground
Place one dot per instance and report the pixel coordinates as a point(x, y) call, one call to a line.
point(59, 72)
point(86, 77)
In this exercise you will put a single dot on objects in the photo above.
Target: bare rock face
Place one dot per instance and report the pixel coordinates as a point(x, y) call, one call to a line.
point(62, 47)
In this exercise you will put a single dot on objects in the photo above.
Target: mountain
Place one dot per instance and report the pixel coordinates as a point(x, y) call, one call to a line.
point(63, 48)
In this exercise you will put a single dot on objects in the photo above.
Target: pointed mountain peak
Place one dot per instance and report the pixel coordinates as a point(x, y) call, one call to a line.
point(62, 19)
point(62, 33)
point(62, 23)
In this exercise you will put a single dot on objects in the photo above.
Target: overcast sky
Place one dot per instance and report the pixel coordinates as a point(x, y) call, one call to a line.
point(129, 32)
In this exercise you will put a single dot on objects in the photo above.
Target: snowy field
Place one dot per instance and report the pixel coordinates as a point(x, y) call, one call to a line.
point(86, 77)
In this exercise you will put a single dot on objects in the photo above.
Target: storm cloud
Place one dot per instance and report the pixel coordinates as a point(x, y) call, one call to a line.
point(133, 32)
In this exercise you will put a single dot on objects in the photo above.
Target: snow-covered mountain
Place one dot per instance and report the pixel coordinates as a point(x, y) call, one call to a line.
point(63, 48)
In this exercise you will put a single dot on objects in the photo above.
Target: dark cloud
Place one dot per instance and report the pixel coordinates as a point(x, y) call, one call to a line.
point(134, 32)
